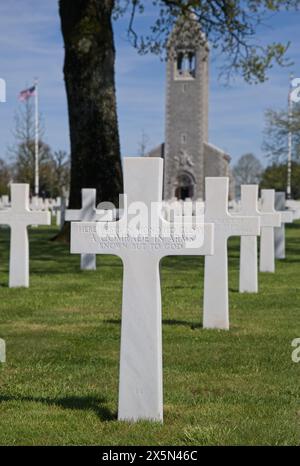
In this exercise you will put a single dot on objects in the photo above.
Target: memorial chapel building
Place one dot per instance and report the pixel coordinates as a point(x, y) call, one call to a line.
point(188, 156)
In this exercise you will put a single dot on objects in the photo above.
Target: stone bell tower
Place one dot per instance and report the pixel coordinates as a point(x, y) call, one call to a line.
point(186, 111)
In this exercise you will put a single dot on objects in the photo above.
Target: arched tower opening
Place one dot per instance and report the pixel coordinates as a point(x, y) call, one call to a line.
point(185, 186)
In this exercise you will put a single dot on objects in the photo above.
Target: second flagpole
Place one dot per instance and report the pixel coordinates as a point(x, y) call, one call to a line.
point(36, 164)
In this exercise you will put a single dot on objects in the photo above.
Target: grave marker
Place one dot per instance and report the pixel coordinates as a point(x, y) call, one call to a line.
point(87, 213)
point(5, 201)
point(248, 280)
point(267, 246)
point(294, 207)
point(279, 232)
point(19, 217)
point(140, 386)
point(215, 305)
point(37, 203)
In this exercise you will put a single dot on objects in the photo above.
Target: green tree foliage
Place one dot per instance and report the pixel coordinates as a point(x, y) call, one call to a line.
point(275, 177)
point(229, 25)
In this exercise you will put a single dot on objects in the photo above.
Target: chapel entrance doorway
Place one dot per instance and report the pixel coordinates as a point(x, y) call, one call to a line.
point(185, 187)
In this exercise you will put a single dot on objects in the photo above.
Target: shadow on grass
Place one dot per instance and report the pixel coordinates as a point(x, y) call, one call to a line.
point(184, 323)
point(233, 290)
point(84, 403)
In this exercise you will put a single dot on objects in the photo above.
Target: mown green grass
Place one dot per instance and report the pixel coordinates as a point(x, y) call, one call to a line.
point(60, 383)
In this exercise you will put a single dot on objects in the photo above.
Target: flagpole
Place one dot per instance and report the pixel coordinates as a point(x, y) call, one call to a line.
point(36, 169)
point(289, 157)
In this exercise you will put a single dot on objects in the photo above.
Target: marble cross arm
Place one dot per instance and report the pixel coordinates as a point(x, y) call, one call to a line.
point(73, 215)
point(200, 242)
point(19, 212)
point(88, 211)
point(40, 218)
point(25, 218)
point(266, 219)
point(249, 207)
point(270, 219)
point(285, 217)
point(216, 211)
point(235, 225)
point(85, 239)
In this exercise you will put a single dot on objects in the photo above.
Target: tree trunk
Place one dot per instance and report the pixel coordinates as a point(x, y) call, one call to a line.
point(90, 84)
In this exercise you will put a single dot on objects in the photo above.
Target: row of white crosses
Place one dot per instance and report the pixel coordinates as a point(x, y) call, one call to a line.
point(141, 355)
point(18, 217)
point(36, 203)
point(216, 306)
point(248, 280)
point(216, 301)
point(140, 389)
point(272, 235)
point(56, 206)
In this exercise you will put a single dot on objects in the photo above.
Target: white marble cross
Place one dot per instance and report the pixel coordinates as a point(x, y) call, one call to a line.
point(5, 201)
point(279, 233)
point(215, 302)
point(140, 386)
point(267, 242)
point(87, 213)
point(37, 203)
point(294, 207)
point(19, 217)
point(248, 281)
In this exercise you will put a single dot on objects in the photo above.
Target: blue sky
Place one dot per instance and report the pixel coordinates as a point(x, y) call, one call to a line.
point(31, 45)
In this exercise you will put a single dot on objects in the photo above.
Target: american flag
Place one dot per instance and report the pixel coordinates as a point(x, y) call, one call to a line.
point(26, 93)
